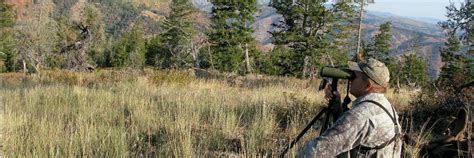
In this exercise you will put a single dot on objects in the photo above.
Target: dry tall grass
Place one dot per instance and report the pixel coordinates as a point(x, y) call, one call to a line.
point(123, 113)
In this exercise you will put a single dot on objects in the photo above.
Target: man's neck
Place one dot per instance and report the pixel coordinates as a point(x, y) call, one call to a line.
point(368, 93)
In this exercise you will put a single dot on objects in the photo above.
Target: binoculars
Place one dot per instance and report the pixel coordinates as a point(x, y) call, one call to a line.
point(334, 74)
point(337, 73)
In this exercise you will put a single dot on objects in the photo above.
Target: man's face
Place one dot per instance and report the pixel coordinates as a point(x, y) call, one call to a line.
point(358, 85)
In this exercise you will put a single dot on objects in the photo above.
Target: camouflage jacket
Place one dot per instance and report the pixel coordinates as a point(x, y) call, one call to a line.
point(365, 124)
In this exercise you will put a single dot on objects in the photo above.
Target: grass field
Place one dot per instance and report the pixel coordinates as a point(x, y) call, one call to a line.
point(112, 113)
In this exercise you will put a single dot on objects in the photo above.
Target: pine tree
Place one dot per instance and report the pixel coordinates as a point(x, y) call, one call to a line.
point(312, 32)
point(469, 70)
point(414, 71)
point(379, 46)
point(7, 41)
point(278, 62)
point(458, 68)
point(130, 49)
point(136, 47)
point(452, 59)
point(246, 41)
point(231, 35)
point(344, 31)
point(119, 54)
point(381, 43)
point(394, 65)
point(153, 49)
point(176, 41)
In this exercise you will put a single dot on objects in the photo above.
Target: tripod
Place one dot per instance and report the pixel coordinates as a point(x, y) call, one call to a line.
point(327, 111)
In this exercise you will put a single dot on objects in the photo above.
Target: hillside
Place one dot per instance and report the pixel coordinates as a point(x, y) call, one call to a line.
point(405, 31)
point(119, 15)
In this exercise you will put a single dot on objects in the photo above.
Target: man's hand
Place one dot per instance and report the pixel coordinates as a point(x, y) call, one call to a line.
point(329, 94)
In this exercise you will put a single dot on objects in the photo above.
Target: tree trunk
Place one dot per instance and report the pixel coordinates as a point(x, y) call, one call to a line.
point(397, 89)
point(247, 60)
point(81, 60)
point(195, 54)
point(330, 59)
point(210, 55)
point(361, 13)
point(25, 70)
point(37, 67)
point(305, 66)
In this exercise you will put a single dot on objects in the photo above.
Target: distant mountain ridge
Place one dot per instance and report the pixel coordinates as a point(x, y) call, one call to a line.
point(420, 19)
point(426, 19)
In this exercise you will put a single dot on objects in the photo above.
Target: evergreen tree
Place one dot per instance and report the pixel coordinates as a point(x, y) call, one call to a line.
point(311, 31)
point(176, 41)
point(130, 50)
point(136, 47)
point(414, 71)
point(276, 62)
point(381, 43)
point(153, 49)
point(379, 46)
point(458, 68)
point(395, 66)
point(451, 57)
point(231, 35)
point(119, 54)
point(344, 31)
point(7, 41)
point(459, 20)
point(469, 70)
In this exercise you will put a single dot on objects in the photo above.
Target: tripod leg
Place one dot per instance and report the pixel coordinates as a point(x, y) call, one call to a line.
point(326, 122)
point(292, 143)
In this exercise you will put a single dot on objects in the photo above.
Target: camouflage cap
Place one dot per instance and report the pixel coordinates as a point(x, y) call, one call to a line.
point(374, 69)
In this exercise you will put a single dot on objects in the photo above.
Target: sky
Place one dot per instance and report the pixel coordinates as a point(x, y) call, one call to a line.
point(434, 9)
point(414, 8)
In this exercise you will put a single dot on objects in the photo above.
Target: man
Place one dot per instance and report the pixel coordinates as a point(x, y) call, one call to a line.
point(370, 128)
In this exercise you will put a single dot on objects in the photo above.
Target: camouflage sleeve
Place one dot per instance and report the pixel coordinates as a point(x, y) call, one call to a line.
point(346, 134)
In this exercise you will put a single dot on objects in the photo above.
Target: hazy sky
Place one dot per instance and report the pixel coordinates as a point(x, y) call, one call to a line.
point(414, 8)
point(409, 8)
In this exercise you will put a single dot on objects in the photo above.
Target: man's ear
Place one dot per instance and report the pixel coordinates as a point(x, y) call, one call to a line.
point(370, 85)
